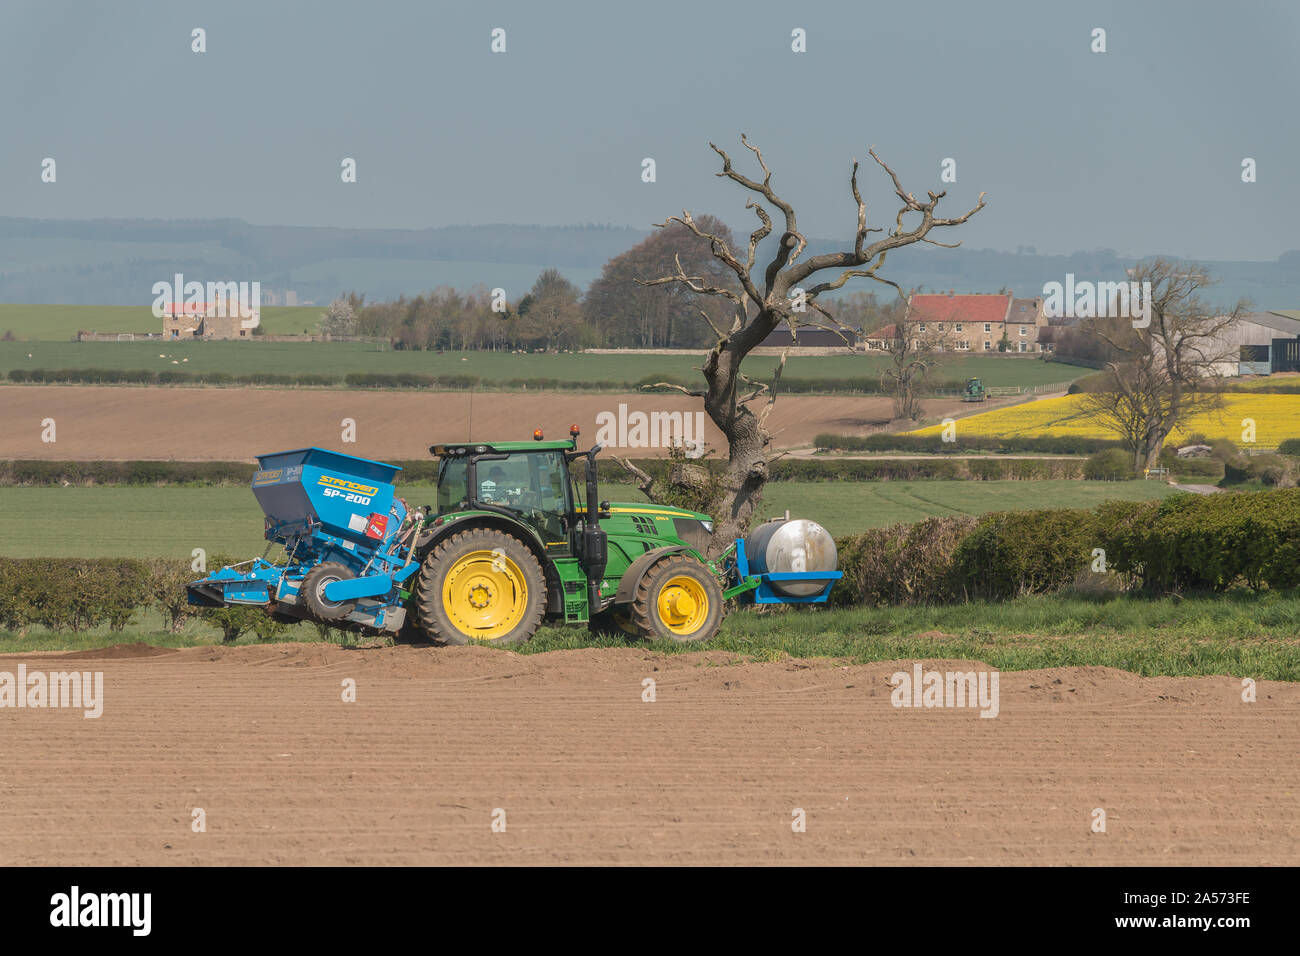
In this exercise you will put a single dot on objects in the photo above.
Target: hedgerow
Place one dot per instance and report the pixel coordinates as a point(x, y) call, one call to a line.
point(1185, 543)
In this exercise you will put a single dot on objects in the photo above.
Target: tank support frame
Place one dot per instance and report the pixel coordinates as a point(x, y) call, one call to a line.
point(758, 587)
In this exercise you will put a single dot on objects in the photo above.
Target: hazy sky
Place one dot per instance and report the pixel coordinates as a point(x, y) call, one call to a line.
point(1138, 149)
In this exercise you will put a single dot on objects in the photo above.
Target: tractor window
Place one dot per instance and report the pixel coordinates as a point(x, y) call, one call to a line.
point(531, 483)
point(453, 484)
point(528, 481)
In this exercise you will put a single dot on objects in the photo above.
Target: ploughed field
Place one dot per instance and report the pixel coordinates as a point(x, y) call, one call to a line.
point(236, 424)
point(575, 766)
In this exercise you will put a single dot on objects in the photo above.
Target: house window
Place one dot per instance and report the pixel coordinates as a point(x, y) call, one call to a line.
point(1023, 331)
point(957, 326)
point(921, 327)
point(988, 327)
point(988, 346)
point(1024, 346)
point(940, 326)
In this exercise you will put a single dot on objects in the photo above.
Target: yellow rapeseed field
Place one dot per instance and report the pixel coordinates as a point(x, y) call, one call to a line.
point(1275, 416)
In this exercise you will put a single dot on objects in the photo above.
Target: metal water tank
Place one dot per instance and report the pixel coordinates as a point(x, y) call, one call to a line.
point(783, 545)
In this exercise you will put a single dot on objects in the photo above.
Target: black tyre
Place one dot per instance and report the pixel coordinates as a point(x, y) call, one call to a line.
point(480, 585)
point(677, 599)
point(410, 632)
point(613, 623)
point(312, 592)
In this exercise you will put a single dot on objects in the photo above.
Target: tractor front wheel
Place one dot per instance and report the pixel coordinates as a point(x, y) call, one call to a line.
point(480, 585)
point(677, 599)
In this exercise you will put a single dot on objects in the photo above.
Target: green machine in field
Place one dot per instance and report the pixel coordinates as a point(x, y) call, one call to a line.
point(974, 391)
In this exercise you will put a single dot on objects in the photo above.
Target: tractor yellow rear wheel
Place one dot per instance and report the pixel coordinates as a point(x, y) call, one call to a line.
point(677, 599)
point(480, 586)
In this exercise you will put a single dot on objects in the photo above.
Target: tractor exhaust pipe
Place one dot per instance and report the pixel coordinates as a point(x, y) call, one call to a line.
point(595, 544)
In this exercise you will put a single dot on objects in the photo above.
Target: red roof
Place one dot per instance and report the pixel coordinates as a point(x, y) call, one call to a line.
point(888, 332)
point(958, 308)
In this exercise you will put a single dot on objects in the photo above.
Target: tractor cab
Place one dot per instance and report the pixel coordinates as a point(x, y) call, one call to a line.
point(528, 481)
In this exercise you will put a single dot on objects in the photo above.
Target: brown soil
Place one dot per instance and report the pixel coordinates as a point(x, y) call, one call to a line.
point(231, 424)
point(118, 652)
point(586, 772)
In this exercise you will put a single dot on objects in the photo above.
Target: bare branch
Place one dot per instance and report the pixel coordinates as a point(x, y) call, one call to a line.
point(759, 234)
point(862, 213)
point(721, 338)
point(764, 187)
point(693, 392)
point(908, 199)
point(838, 328)
point(720, 252)
point(694, 283)
point(776, 382)
point(759, 387)
point(643, 481)
point(899, 237)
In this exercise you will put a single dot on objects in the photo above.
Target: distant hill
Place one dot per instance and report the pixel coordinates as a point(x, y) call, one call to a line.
point(116, 261)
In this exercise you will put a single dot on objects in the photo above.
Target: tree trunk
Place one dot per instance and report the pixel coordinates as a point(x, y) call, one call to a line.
point(742, 482)
point(747, 439)
point(1151, 453)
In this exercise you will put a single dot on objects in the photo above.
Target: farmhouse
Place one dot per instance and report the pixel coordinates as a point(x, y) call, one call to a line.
point(207, 320)
point(978, 322)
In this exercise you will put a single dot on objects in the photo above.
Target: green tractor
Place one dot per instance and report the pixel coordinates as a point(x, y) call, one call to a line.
point(515, 540)
point(974, 391)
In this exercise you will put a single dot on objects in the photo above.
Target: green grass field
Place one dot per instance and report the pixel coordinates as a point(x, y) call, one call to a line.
point(339, 358)
point(59, 323)
point(172, 521)
point(1241, 634)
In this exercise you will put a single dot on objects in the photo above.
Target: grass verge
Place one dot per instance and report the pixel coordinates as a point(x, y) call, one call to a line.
point(1240, 634)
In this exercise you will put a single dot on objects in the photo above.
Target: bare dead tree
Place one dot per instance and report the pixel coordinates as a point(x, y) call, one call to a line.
point(914, 352)
point(781, 291)
point(1159, 376)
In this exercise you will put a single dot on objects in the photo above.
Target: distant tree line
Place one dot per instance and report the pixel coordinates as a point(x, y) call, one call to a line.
point(616, 311)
